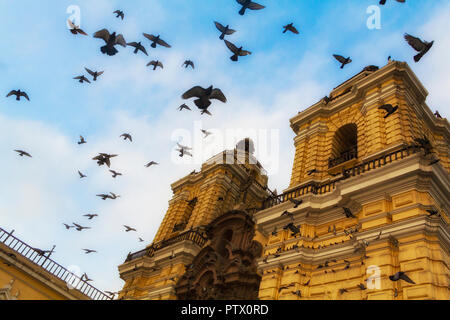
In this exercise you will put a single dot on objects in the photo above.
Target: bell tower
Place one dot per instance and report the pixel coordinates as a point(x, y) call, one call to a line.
point(369, 196)
point(231, 180)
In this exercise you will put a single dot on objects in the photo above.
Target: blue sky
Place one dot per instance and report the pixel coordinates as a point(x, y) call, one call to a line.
point(285, 74)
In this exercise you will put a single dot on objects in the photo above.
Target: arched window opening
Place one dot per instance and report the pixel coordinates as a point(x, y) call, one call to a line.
point(345, 145)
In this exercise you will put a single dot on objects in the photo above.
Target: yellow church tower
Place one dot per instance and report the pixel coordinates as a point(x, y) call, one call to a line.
point(365, 215)
point(217, 202)
point(369, 197)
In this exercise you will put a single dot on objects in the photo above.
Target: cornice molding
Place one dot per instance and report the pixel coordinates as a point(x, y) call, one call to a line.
point(360, 85)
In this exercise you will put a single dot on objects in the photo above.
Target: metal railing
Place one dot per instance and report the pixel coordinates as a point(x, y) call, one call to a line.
point(344, 157)
point(192, 235)
point(51, 266)
point(322, 188)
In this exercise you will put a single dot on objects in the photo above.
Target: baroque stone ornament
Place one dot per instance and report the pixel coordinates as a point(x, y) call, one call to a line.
point(225, 269)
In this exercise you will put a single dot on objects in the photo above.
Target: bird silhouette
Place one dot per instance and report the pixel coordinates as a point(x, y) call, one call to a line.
point(274, 232)
point(119, 14)
point(188, 63)
point(111, 294)
point(248, 4)
point(85, 278)
point(310, 172)
point(206, 133)
point(79, 227)
point(348, 213)
point(383, 2)
point(183, 106)
point(151, 163)
point(424, 144)
point(342, 60)
point(296, 202)
point(75, 29)
point(401, 276)
point(23, 153)
point(137, 46)
point(287, 213)
point(67, 226)
point(128, 229)
point(237, 52)
point(115, 173)
point(18, 93)
point(90, 216)
point(43, 252)
point(295, 229)
point(104, 158)
point(420, 46)
point(156, 40)
point(87, 251)
point(204, 96)
point(108, 196)
point(184, 152)
point(224, 30)
point(297, 293)
point(433, 213)
point(81, 175)
point(433, 162)
point(111, 41)
point(126, 136)
point(155, 64)
point(82, 79)
point(389, 109)
point(290, 27)
point(94, 74)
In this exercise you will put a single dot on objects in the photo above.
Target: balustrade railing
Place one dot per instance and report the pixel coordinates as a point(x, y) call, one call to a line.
point(43, 261)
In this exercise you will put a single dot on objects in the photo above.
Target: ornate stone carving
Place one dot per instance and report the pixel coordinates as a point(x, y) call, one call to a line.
point(226, 268)
point(5, 292)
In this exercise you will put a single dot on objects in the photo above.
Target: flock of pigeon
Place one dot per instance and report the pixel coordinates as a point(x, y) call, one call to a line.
point(203, 96)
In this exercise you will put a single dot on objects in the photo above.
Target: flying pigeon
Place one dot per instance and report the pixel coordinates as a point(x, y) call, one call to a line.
point(420, 46)
point(188, 63)
point(237, 51)
point(204, 96)
point(183, 106)
point(111, 40)
point(82, 141)
point(248, 4)
point(342, 60)
point(94, 74)
point(290, 27)
point(82, 79)
point(155, 64)
point(23, 153)
point(18, 94)
point(156, 40)
point(389, 109)
point(119, 14)
point(126, 136)
point(224, 30)
point(138, 46)
point(75, 29)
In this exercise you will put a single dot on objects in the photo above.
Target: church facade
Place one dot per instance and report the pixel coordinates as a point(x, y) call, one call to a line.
point(369, 197)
